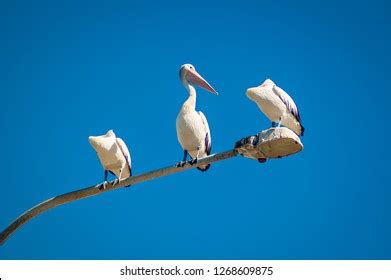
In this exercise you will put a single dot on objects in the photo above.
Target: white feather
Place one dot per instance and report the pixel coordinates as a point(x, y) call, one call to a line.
point(191, 132)
point(276, 104)
point(112, 153)
point(209, 140)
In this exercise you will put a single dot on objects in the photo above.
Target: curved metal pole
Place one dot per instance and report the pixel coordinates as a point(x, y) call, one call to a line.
point(95, 190)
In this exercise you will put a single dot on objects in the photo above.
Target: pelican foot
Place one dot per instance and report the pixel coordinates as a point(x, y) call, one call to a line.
point(103, 186)
point(180, 164)
point(115, 182)
point(193, 161)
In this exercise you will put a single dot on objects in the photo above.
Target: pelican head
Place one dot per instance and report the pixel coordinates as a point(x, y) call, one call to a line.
point(189, 75)
point(98, 142)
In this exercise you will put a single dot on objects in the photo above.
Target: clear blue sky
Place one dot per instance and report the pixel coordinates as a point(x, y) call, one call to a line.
point(70, 69)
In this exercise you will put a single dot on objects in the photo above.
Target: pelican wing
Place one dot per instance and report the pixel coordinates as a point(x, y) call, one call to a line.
point(125, 151)
point(208, 138)
point(103, 145)
point(287, 100)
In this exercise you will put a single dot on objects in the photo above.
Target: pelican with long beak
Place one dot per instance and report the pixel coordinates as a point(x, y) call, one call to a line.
point(113, 155)
point(191, 126)
point(277, 105)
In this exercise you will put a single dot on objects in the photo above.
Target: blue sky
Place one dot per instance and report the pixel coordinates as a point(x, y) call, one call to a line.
point(70, 69)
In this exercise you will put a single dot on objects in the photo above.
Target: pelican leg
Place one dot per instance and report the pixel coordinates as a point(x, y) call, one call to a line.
point(116, 180)
point(183, 162)
point(281, 119)
point(185, 155)
point(195, 160)
point(103, 187)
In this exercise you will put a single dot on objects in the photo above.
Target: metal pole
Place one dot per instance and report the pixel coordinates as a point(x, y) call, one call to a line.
point(97, 189)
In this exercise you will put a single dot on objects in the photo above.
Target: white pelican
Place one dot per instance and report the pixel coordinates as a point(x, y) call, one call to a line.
point(277, 105)
point(191, 126)
point(113, 155)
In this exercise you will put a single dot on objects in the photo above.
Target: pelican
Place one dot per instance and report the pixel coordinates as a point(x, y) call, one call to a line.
point(113, 155)
point(277, 105)
point(191, 126)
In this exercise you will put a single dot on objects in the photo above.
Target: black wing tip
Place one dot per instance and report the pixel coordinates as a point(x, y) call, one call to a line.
point(302, 130)
point(208, 145)
point(203, 169)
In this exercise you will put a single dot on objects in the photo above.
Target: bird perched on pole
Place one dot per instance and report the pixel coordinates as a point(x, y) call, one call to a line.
point(191, 126)
point(277, 105)
point(113, 155)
